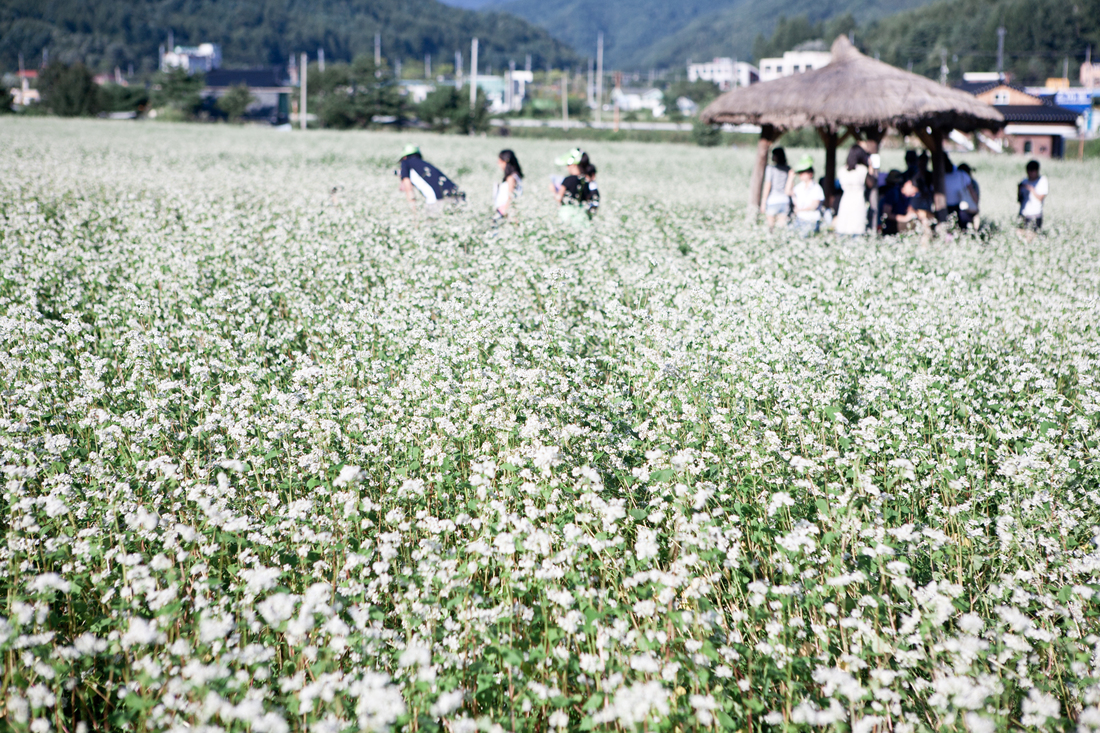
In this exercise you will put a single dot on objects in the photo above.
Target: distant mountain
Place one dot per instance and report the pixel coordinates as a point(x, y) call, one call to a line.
point(640, 34)
point(108, 33)
point(469, 4)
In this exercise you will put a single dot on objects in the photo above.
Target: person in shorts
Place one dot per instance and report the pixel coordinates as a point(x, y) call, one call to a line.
point(775, 204)
point(1031, 194)
point(807, 197)
point(418, 175)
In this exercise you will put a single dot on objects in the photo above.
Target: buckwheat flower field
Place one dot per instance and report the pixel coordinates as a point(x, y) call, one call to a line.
point(280, 455)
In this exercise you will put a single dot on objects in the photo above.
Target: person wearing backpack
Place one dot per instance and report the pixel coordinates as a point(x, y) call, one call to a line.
point(573, 192)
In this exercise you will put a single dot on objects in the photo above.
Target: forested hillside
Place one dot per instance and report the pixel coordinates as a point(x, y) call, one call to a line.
point(1040, 35)
point(640, 34)
point(108, 33)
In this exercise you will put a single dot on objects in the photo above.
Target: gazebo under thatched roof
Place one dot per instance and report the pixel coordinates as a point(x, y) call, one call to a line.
point(861, 94)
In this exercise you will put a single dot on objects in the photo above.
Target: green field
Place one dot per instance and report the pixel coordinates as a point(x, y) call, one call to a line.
point(281, 454)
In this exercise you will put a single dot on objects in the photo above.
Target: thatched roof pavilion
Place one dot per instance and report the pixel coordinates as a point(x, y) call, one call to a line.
point(861, 94)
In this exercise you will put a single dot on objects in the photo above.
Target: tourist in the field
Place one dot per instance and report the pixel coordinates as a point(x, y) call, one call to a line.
point(511, 186)
point(572, 192)
point(851, 216)
point(959, 191)
point(974, 205)
point(419, 175)
point(593, 204)
point(807, 196)
point(775, 204)
point(1031, 194)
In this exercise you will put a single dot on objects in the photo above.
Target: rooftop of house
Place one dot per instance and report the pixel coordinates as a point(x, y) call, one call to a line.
point(1019, 113)
point(252, 78)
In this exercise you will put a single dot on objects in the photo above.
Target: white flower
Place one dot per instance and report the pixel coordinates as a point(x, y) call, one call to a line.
point(348, 475)
point(446, 703)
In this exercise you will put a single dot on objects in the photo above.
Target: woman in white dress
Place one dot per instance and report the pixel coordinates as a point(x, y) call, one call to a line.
point(505, 192)
point(851, 217)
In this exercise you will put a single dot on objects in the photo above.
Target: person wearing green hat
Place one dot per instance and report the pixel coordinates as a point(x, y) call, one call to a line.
point(577, 198)
point(807, 197)
point(418, 175)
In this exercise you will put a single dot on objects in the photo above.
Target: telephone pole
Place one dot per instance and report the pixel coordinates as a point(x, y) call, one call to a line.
point(565, 99)
point(302, 92)
point(1001, 50)
point(473, 74)
point(599, 75)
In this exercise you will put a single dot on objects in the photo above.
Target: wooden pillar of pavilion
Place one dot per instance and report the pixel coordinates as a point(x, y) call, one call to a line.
point(831, 140)
point(933, 140)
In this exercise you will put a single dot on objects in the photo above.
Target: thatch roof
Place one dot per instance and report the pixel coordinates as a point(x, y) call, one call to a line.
point(853, 91)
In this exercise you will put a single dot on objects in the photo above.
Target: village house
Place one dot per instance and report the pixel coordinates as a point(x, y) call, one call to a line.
point(270, 92)
point(725, 72)
point(804, 57)
point(1035, 126)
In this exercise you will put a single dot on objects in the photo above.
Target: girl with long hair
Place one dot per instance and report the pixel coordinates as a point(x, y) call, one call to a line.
point(511, 186)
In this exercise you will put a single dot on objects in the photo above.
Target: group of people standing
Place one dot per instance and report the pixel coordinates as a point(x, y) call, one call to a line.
point(576, 193)
point(887, 203)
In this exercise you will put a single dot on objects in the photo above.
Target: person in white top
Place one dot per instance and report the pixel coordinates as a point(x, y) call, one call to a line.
point(1032, 194)
point(505, 192)
point(807, 197)
point(851, 216)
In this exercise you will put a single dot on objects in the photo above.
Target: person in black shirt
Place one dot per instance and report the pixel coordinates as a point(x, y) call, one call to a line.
point(418, 175)
point(574, 192)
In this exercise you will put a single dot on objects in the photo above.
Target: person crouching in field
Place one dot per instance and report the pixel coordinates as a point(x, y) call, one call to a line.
point(418, 175)
point(573, 192)
point(511, 186)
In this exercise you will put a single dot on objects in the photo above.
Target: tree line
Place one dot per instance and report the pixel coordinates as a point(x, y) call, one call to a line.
point(1041, 36)
point(104, 34)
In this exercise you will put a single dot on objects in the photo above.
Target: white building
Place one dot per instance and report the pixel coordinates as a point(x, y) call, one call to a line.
point(635, 100)
point(725, 72)
point(203, 57)
point(802, 59)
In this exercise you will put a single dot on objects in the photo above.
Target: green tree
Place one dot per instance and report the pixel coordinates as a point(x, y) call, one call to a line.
point(358, 94)
point(699, 91)
point(236, 101)
point(448, 108)
point(178, 90)
point(118, 98)
point(69, 91)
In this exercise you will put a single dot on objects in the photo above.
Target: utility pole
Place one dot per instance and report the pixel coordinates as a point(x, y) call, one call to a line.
point(943, 68)
point(1001, 50)
point(590, 90)
point(1090, 83)
point(599, 75)
point(427, 66)
point(565, 99)
point(527, 65)
point(458, 69)
point(302, 91)
point(397, 67)
point(511, 86)
point(321, 60)
point(377, 50)
point(473, 74)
